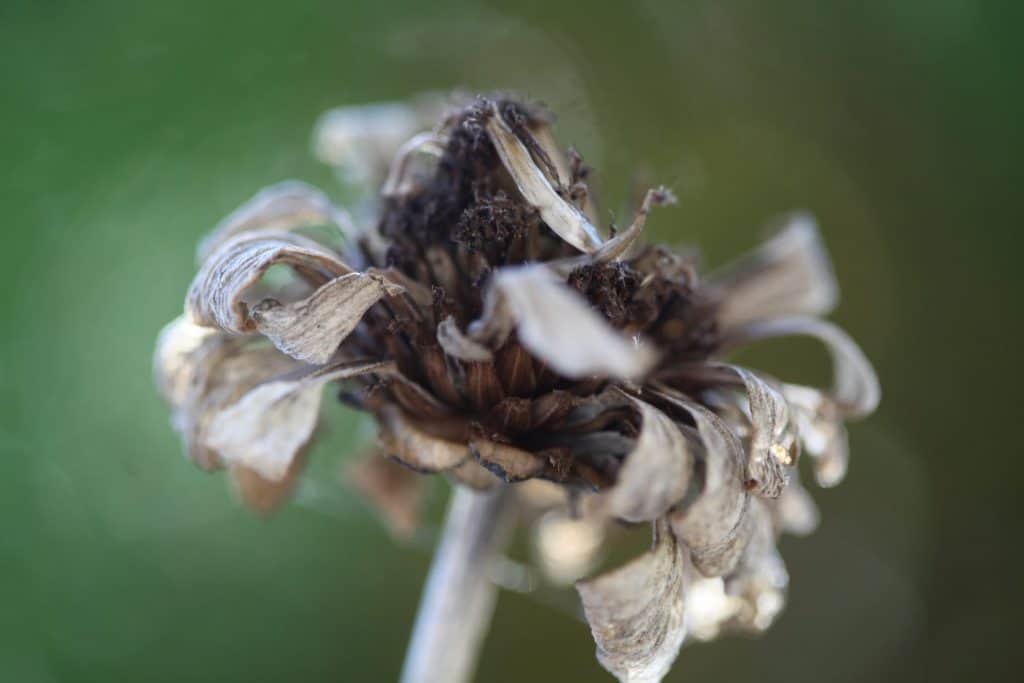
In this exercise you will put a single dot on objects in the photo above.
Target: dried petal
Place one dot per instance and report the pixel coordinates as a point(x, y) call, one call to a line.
point(620, 244)
point(558, 326)
point(401, 438)
point(636, 611)
point(223, 369)
point(787, 275)
point(267, 427)
point(215, 298)
point(771, 434)
point(617, 246)
point(458, 345)
point(565, 219)
point(714, 526)
point(312, 329)
point(286, 206)
point(174, 364)
point(855, 388)
point(504, 461)
point(656, 474)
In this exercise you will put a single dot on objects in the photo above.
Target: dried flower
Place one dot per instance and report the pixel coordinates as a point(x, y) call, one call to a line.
point(497, 337)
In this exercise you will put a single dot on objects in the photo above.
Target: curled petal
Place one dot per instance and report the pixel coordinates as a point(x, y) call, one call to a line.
point(714, 526)
point(636, 612)
point(789, 274)
point(855, 388)
point(223, 369)
point(312, 329)
point(771, 435)
point(458, 345)
point(656, 474)
point(507, 462)
point(286, 206)
point(174, 363)
point(620, 244)
point(617, 246)
point(215, 298)
point(402, 439)
point(565, 219)
point(265, 429)
point(558, 326)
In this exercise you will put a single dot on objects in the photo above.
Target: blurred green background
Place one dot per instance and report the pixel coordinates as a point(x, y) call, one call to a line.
point(130, 128)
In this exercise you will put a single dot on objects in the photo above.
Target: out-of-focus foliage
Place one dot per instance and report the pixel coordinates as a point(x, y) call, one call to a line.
point(131, 128)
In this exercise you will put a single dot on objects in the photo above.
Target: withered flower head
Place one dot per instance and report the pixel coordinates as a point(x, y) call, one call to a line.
point(498, 335)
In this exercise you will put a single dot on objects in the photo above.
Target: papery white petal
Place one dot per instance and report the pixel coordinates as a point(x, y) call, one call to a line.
point(714, 526)
point(558, 326)
point(656, 474)
point(266, 428)
point(636, 612)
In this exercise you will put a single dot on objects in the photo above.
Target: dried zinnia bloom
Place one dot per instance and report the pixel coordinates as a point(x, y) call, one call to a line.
point(498, 336)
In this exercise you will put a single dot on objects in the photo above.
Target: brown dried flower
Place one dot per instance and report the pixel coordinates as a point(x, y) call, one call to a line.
point(497, 337)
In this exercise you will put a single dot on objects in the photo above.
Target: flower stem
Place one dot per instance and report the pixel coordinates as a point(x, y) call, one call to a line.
point(458, 598)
